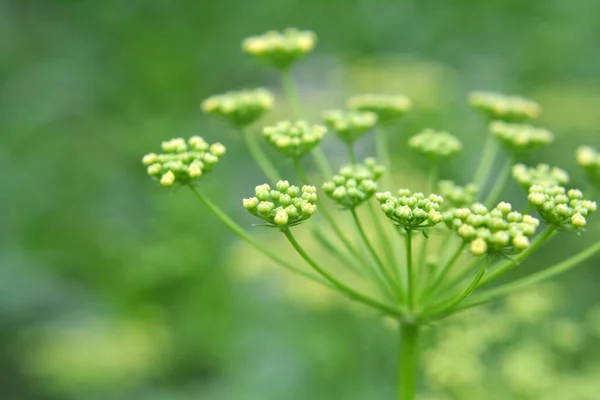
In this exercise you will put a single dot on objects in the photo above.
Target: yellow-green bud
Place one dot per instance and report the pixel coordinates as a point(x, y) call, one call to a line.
point(280, 49)
point(435, 144)
point(294, 139)
point(240, 108)
point(167, 179)
point(349, 126)
point(503, 107)
point(520, 138)
point(589, 160)
point(387, 107)
point(354, 184)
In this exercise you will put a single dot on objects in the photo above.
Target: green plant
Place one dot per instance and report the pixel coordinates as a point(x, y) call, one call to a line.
point(482, 238)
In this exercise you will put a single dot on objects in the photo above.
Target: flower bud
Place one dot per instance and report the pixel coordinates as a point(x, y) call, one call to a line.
point(280, 49)
point(520, 138)
point(168, 179)
point(386, 107)
point(240, 108)
point(588, 159)
point(435, 144)
point(349, 126)
point(296, 139)
point(504, 108)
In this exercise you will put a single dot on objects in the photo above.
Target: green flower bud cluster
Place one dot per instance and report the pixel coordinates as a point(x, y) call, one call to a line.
point(241, 108)
point(520, 137)
point(349, 125)
point(183, 162)
point(386, 106)
point(457, 196)
point(565, 210)
point(500, 231)
point(294, 139)
point(282, 207)
point(280, 49)
point(542, 175)
point(354, 184)
point(589, 159)
point(411, 211)
point(435, 144)
point(504, 108)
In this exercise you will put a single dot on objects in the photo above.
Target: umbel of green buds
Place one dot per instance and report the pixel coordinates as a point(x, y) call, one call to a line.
point(541, 175)
point(411, 211)
point(500, 231)
point(354, 184)
point(435, 144)
point(349, 125)
point(182, 162)
point(387, 106)
point(294, 139)
point(589, 159)
point(562, 209)
point(520, 138)
point(239, 108)
point(457, 196)
point(504, 108)
point(280, 49)
point(282, 207)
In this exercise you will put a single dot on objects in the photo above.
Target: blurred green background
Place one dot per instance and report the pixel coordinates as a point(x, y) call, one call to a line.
point(113, 288)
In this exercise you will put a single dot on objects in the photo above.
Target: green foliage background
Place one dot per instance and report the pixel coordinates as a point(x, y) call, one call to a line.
point(112, 288)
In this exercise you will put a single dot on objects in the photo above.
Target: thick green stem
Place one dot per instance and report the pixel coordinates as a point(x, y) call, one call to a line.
point(260, 157)
point(382, 268)
point(353, 294)
point(408, 361)
point(488, 155)
point(246, 237)
point(500, 183)
point(410, 270)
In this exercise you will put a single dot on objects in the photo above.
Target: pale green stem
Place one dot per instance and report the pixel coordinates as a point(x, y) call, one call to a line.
point(351, 263)
point(500, 183)
point(488, 155)
point(451, 283)
point(408, 361)
point(353, 294)
point(384, 238)
point(351, 153)
point(532, 279)
point(382, 268)
point(444, 270)
point(506, 266)
point(260, 157)
point(235, 228)
point(446, 306)
point(409, 269)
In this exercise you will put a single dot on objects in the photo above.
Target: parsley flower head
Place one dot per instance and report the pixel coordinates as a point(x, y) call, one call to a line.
point(283, 206)
point(457, 196)
point(349, 125)
point(504, 108)
point(542, 175)
point(562, 209)
point(240, 108)
point(520, 138)
point(500, 231)
point(411, 211)
point(354, 184)
point(387, 106)
point(182, 162)
point(280, 49)
point(435, 144)
point(294, 139)
point(589, 159)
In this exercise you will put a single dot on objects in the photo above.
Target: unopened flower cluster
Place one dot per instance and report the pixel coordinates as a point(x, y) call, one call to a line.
point(387, 107)
point(183, 162)
point(500, 231)
point(521, 137)
point(294, 139)
point(411, 210)
point(565, 210)
point(240, 108)
point(354, 184)
point(457, 196)
point(282, 207)
point(505, 108)
point(435, 144)
point(349, 125)
point(280, 49)
point(589, 159)
point(542, 175)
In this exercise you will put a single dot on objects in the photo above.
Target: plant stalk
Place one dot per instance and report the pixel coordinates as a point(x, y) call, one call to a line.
point(408, 361)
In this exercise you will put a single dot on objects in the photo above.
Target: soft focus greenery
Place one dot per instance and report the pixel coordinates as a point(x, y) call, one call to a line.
point(113, 289)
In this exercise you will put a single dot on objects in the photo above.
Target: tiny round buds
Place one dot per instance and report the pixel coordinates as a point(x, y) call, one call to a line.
point(240, 108)
point(387, 106)
point(411, 210)
point(280, 49)
point(354, 184)
point(542, 175)
point(588, 159)
point(520, 138)
point(349, 126)
point(565, 210)
point(294, 139)
point(435, 144)
point(504, 108)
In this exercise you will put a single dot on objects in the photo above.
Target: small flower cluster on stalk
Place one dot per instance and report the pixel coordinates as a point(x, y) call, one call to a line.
point(541, 175)
point(354, 184)
point(562, 209)
point(411, 211)
point(457, 196)
point(435, 144)
point(500, 231)
point(387, 107)
point(239, 108)
point(503, 107)
point(520, 138)
point(294, 139)
point(280, 49)
point(183, 162)
point(349, 125)
point(282, 207)
point(589, 159)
